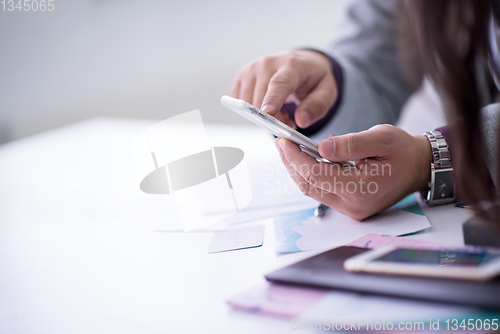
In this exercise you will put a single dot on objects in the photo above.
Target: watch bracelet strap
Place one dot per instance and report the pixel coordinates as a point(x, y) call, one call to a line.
point(441, 158)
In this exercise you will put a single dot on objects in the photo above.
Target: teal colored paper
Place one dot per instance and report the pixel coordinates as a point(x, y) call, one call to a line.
point(284, 235)
point(409, 204)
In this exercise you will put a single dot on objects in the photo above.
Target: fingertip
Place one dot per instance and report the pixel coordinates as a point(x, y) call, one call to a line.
point(304, 119)
point(287, 119)
point(280, 116)
point(269, 108)
point(291, 124)
point(282, 143)
point(277, 143)
point(233, 93)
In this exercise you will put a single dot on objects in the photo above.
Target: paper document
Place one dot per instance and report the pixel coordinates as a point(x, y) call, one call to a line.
point(238, 238)
point(301, 230)
point(304, 304)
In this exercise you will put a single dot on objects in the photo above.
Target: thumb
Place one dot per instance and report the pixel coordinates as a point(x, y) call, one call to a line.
point(353, 146)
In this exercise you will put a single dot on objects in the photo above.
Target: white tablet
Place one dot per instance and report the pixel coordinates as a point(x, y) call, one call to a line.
point(271, 124)
point(422, 262)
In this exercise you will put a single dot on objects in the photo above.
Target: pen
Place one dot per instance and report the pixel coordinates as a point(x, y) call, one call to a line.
point(320, 210)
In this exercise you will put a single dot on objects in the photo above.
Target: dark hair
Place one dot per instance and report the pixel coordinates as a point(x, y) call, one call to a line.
point(445, 39)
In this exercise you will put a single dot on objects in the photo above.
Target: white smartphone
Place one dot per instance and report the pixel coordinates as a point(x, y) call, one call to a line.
point(431, 263)
point(271, 124)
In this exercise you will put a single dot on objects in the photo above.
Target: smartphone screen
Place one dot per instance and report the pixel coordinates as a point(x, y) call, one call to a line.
point(437, 258)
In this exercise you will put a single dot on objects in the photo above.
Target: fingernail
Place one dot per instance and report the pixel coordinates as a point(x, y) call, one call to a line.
point(306, 118)
point(328, 147)
point(267, 108)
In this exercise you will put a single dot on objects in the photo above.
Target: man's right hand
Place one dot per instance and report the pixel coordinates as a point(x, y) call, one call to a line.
point(302, 76)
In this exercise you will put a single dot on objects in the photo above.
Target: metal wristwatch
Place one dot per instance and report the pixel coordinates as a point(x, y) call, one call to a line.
point(442, 186)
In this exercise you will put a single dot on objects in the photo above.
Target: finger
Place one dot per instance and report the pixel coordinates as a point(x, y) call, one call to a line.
point(260, 90)
point(307, 189)
point(325, 176)
point(235, 88)
point(292, 99)
point(288, 120)
point(355, 146)
point(247, 87)
point(283, 83)
point(317, 103)
point(281, 116)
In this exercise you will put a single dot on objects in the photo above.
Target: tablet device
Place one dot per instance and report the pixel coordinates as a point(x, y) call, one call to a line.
point(326, 270)
point(271, 124)
point(453, 264)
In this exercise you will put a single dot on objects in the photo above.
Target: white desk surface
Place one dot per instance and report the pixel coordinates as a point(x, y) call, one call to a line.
point(83, 251)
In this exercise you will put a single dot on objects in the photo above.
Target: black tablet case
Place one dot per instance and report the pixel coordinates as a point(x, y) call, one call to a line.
point(326, 270)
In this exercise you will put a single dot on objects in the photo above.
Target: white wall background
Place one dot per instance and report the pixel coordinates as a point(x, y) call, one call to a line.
point(143, 59)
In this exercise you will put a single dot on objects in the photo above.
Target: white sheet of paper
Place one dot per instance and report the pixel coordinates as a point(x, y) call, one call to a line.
point(337, 228)
point(302, 231)
point(239, 238)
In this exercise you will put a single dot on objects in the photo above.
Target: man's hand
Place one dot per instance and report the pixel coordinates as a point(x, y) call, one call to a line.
point(388, 165)
point(303, 76)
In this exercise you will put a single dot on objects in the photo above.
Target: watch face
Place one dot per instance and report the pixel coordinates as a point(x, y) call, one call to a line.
point(444, 185)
